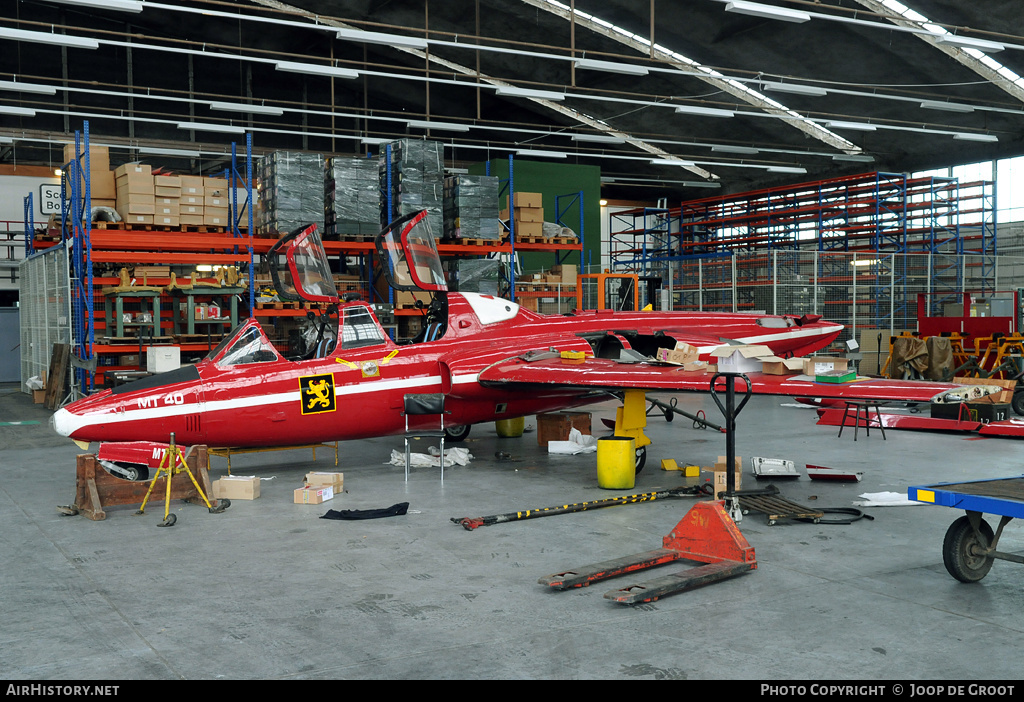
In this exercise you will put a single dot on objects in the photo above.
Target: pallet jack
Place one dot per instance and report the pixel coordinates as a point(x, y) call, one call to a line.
point(706, 534)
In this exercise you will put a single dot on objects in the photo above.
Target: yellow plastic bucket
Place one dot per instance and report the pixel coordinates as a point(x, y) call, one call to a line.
point(616, 462)
point(510, 428)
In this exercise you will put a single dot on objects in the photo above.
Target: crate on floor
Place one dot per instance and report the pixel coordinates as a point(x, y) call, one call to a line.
point(555, 426)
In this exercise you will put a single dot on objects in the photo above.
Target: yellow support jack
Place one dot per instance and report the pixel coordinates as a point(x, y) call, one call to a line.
point(631, 420)
point(173, 462)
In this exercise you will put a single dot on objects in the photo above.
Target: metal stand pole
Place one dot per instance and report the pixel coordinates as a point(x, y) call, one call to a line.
point(730, 410)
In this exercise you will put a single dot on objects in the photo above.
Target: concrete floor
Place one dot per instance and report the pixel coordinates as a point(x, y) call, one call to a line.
point(268, 590)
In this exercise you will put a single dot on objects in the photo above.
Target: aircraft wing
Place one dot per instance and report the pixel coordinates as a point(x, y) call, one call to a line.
point(530, 372)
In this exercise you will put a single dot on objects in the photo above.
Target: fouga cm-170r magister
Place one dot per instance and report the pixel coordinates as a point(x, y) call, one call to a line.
point(489, 357)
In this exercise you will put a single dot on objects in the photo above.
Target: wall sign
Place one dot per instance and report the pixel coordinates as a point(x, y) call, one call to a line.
point(49, 199)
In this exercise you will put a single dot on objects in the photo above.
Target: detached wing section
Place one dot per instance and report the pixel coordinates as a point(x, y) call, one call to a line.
point(523, 373)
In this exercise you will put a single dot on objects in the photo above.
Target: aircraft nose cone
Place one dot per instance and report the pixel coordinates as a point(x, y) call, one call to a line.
point(61, 422)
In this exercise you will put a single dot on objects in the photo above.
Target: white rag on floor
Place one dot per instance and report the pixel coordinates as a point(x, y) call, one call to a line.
point(885, 499)
point(578, 443)
point(452, 457)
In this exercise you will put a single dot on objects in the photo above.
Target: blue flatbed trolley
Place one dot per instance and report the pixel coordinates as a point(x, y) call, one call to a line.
point(969, 547)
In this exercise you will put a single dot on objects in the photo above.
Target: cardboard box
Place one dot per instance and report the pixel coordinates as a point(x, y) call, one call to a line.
point(196, 200)
point(133, 207)
point(529, 228)
point(566, 272)
point(167, 181)
point(211, 183)
point(1003, 396)
point(190, 219)
point(137, 218)
point(160, 359)
point(682, 354)
point(555, 426)
point(237, 487)
point(405, 298)
point(218, 202)
point(313, 495)
point(128, 359)
point(773, 365)
point(167, 220)
point(215, 216)
point(721, 476)
point(195, 210)
point(192, 185)
point(39, 396)
point(820, 365)
point(745, 358)
point(529, 214)
point(101, 179)
point(334, 480)
point(527, 200)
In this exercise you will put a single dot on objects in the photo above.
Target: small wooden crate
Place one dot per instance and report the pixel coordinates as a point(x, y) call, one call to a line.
point(555, 426)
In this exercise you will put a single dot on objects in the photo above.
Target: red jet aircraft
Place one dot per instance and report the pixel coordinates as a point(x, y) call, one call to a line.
point(490, 358)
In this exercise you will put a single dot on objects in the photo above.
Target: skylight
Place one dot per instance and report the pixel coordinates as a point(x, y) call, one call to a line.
point(711, 73)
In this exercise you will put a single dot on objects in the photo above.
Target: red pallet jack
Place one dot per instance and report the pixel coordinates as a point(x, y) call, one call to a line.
point(707, 534)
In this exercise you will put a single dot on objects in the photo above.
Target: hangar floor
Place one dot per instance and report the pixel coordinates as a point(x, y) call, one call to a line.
point(268, 590)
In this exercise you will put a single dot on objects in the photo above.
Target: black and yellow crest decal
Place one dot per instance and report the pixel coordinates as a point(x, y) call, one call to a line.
point(317, 392)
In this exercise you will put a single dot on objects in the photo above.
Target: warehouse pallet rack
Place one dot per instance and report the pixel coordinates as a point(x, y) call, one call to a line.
point(90, 245)
point(883, 213)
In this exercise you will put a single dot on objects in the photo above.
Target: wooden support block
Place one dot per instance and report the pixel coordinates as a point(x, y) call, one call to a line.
point(96, 489)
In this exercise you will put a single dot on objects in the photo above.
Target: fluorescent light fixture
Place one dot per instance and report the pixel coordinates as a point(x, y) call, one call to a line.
point(540, 153)
point(947, 106)
point(856, 126)
point(786, 169)
point(726, 149)
point(440, 126)
point(381, 38)
point(864, 262)
point(976, 137)
point(612, 67)
point(670, 162)
point(607, 179)
point(15, 86)
point(598, 138)
point(122, 5)
point(20, 111)
point(6, 140)
point(208, 127)
point(794, 88)
point(315, 69)
point(168, 152)
point(861, 158)
point(970, 43)
point(48, 38)
point(704, 111)
point(512, 91)
point(242, 107)
point(756, 9)
point(374, 141)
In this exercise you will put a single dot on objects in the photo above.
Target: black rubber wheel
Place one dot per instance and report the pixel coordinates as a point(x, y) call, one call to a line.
point(457, 434)
point(641, 458)
point(959, 550)
point(169, 522)
point(1017, 403)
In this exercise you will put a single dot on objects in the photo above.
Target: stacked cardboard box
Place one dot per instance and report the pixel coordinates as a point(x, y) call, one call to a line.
point(417, 181)
point(351, 197)
point(291, 193)
point(190, 204)
point(528, 213)
point(167, 191)
point(135, 194)
point(101, 179)
point(471, 207)
point(215, 202)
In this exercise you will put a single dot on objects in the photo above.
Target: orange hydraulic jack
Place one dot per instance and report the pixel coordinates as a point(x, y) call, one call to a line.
point(707, 534)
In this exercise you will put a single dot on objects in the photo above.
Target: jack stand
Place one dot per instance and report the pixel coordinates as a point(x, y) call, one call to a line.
point(730, 410)
point(631, 420)
point(706, 534)
point(173, 462)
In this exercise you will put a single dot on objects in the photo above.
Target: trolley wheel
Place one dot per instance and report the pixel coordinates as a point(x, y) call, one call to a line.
point(960, 550)
point(641, 458)
point(169, 522)
point(457, 433)
point(1017, 403)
